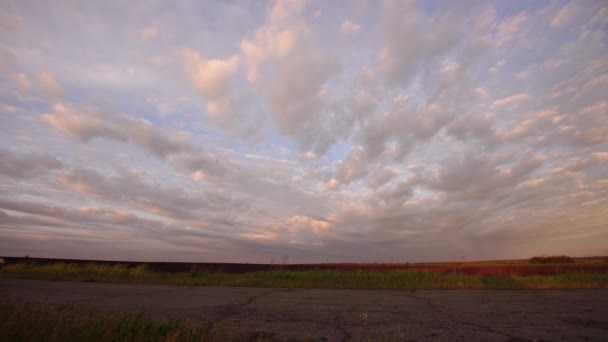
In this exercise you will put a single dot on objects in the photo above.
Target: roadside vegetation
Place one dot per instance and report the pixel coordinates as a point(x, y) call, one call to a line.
point(39, 322)
point(395, 280)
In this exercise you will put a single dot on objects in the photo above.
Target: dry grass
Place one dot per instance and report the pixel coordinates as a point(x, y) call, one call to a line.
point(398, 280)
point(37, 322)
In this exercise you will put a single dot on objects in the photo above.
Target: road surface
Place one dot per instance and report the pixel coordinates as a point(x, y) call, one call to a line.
point(345, 315)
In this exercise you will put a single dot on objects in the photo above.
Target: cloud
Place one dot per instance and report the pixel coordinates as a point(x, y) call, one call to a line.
point(275, 39)
point(297, 99)
point(505, 101)
point(564, 15)
point(400, 59)
point(383, 176)
point(133, 191)
point(332, 184)
point(10, 21)
point(509, 28)
point(174, 146)
point(446, 131)
point(23, 81)
point(467, 128)
point(147, 33)
point(86, 124)
point(472, 175)
point(26, 165)
point(49, 83)
point(305, 223)
point(213, 79)
point(349, 27)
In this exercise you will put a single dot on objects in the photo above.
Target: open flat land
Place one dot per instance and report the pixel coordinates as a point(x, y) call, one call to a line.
point(343, 315)
point(490, 268)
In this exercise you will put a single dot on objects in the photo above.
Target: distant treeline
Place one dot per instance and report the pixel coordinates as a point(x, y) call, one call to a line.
point(555, 259)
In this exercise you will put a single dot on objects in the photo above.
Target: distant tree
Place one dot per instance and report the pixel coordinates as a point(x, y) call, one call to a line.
point(555, 259)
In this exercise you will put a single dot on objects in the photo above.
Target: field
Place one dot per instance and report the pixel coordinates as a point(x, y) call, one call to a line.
point(496, 275)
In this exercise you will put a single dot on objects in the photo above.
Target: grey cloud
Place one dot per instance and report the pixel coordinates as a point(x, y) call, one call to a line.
point(390, 137)
point(391, 199)
point(474, 175)
point(26, 165)
point(63, 227)
point(8, 61)
point(86, 124)
point(83, 214)
point(217, 170)
point(132, 190)
point(171, 145)
point(86, 224)
point(467, 128)
point(296, 101)
point(508, 217)
point(409, 43)
point(382, 176)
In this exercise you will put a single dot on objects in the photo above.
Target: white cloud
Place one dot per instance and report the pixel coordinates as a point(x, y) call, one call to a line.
point(510, 100)
point(213, 79)
point(198, 176)
point(275, 39)
point(305, 223)
point(332, 184)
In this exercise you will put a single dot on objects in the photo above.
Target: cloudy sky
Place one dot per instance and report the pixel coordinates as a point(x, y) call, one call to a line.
point(243, 131)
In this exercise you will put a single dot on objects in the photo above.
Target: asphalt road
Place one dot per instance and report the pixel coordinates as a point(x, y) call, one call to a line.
point(344, 315)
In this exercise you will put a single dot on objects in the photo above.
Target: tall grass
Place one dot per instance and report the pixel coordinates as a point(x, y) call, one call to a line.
point(398, 280)
point(37, 322)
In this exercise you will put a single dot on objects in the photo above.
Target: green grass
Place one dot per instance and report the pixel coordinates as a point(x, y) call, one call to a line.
point(38, 322)
point(397, 280)
point(44, 322)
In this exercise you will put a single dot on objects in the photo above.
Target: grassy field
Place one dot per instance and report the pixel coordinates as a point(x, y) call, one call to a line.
point(397, 280)
point(37, 322)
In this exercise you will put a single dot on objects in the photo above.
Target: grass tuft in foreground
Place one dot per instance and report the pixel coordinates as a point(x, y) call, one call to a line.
point(397, 280)
point(29, 322)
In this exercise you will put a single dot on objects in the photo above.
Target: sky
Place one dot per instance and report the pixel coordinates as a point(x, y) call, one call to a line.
point(303, 131)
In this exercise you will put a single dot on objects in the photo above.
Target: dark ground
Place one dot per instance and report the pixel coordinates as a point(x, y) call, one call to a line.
point(340, 315)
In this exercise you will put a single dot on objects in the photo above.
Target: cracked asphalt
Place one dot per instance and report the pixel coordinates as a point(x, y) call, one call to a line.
point(348, 315)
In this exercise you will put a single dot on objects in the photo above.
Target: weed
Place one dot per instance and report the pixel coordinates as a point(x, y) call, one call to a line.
point(38, 322)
